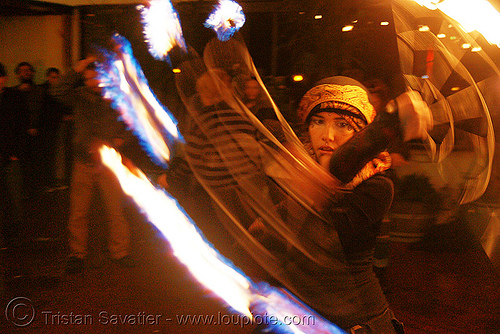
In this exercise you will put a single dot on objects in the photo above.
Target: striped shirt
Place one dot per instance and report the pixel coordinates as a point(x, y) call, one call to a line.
point(221, 147)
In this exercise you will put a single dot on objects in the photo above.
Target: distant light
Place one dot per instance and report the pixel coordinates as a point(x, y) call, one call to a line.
point(441, 35)
point(450, 25)
point(90, 14)
point(476, 49)
point(176, 70)
point(384, 23)
point(455, 89)
point(318, 17)
point(466, 46)
point(298, 78)
point(425, 76)
point(347, 28)
point(302, 13)
point(453, 38)
point(423, 28)
point(355, 21)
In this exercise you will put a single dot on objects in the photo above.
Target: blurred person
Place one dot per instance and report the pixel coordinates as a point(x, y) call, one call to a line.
point(254, 99)
point(21, 106)
point(96, 123)
point(11, 213)
point(25, 102)
point(51, 118)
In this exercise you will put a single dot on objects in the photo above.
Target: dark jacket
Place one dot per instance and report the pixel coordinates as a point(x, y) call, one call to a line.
point(95, 120)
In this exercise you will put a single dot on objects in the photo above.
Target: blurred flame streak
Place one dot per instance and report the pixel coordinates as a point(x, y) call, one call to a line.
point(147, 94)
point(129, 81)
point(125, 85)
point(209, 267)
point(202, 260)
point(162, 28)
point(479, 15)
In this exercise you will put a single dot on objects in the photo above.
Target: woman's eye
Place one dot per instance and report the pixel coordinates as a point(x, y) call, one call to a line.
point(318, 121)
point(344, 125)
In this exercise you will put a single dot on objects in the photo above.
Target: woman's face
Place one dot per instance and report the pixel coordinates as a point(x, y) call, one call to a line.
point(328, 131)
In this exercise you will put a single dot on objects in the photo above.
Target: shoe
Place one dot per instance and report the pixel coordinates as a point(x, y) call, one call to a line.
point(74, 265)
point(127, 261)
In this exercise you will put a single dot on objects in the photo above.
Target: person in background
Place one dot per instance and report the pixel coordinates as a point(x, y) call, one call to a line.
point(10, 181)
point(96, 123)
point(51, 117)
point(25, 102)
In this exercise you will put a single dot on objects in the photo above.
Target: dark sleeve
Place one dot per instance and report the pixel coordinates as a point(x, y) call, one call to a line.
point(358, 216)
point(35, 106)
point(350, 158)
point(64, 90)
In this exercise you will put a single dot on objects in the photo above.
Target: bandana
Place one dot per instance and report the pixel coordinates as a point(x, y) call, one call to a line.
point(341, 95)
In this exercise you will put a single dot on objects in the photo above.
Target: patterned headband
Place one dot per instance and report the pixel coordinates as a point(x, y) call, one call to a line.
point(330, 96)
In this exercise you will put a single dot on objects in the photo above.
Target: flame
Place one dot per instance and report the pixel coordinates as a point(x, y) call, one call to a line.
point(126, 86)
point(292, 314)
point(162, 28)
point(479, 15)
point(204, 262)
point(226, 19)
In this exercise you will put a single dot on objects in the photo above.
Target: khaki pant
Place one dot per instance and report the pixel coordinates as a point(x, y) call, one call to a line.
point(87, 177)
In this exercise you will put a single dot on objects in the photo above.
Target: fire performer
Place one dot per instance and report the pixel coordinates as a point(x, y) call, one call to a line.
point(307, 212)
point(317, 221)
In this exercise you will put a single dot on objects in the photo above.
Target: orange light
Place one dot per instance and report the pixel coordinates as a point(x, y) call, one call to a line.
point(298, 78)
point(347, 28)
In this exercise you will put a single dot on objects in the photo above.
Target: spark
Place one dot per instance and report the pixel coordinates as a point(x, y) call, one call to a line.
point(226, 19)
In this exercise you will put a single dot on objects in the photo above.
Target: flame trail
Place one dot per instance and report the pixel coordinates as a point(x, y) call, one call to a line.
point(226, 19)
point(162, 28)
point(189, 246)
point(126, 86)
point(284, 313)
point(479, 15)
